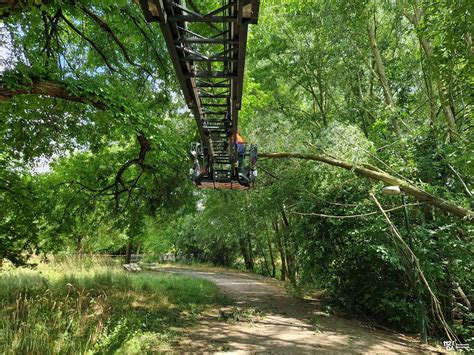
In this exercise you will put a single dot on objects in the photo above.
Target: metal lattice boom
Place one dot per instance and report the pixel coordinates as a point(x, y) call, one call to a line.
point(208, 53)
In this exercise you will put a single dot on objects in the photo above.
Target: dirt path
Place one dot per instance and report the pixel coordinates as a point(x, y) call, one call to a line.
point(267, 319)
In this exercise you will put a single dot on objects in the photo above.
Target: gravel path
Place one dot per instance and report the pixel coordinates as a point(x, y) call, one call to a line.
point(266, 319)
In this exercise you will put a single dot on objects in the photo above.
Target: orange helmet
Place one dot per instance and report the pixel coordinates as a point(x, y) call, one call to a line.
point(238, 138)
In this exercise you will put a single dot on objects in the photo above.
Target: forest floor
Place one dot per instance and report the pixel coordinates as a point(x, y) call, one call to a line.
point(265, 318)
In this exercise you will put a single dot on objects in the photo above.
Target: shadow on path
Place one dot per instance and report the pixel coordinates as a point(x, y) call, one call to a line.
point(281, 325)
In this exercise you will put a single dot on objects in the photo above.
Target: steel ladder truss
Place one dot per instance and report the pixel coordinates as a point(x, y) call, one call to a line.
point(208, 53)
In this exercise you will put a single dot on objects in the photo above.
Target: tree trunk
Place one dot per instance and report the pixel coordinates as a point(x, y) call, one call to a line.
point(250, 252)
point(285, 219)
point(265, 261)
point(243, 251)
point(428, 50)
point(374, 173)
point(429, 93)
point(358, 93)
point(246, 253)
point(381, 74)
point(290, 260)
point(462, 295)
point(448, 113)
point(79, 244)
point(281, 248)
point(128, 252)
point(379, 65)
point(271, 258)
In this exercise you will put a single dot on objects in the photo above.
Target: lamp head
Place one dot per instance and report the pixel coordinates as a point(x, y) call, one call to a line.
point(391, 190)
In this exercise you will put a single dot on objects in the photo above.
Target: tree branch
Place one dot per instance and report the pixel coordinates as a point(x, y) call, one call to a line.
point(106, 28)
point(379, 175)
point(410, 255)
point(92, 43)
point(354, 215)
point(118, 186)
point(47, 88)
point(148, 39)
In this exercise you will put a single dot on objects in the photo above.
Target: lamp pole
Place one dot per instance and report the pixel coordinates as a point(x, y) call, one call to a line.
point(395, 190)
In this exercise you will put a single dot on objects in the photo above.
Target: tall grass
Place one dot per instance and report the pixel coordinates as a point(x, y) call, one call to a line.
point(90, 305)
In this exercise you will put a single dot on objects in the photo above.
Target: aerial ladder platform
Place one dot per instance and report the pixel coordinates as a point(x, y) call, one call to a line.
point(207, 41)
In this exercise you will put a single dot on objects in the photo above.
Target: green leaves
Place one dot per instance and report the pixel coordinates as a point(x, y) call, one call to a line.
point(75, 99)
point(88, 76)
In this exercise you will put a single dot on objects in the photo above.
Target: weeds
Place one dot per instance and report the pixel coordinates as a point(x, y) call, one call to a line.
point(92, 306)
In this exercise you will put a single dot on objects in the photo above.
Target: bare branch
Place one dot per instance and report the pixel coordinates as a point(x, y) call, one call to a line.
point(414, 260)
point(355, 215)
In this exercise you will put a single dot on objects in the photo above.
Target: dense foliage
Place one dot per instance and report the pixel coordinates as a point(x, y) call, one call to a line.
point(88, 91)
point(99, 117)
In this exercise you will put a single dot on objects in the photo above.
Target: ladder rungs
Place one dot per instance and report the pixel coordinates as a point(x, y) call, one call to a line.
point(210, 85)
point(190, 18)
point(214, 105)
point(215, 112)
point(210, 59)
point(198, 40)
point(212, 96)
point(210, 74)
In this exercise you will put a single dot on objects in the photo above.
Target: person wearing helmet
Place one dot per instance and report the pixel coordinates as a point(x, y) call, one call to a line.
point(240, 148)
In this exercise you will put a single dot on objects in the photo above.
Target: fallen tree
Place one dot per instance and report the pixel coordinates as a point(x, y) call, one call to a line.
point(374, 173)
point(61, 90)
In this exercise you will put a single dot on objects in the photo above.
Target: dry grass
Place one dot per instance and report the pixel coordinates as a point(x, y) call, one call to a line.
point(92, 306)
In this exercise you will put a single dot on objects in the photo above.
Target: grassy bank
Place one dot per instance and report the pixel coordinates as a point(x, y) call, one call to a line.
point(93, 306)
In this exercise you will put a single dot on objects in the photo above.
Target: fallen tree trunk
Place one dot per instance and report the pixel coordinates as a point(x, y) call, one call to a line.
point(374, 173)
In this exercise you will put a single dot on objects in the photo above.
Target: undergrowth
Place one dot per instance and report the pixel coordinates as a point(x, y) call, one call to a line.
point(89, 306)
